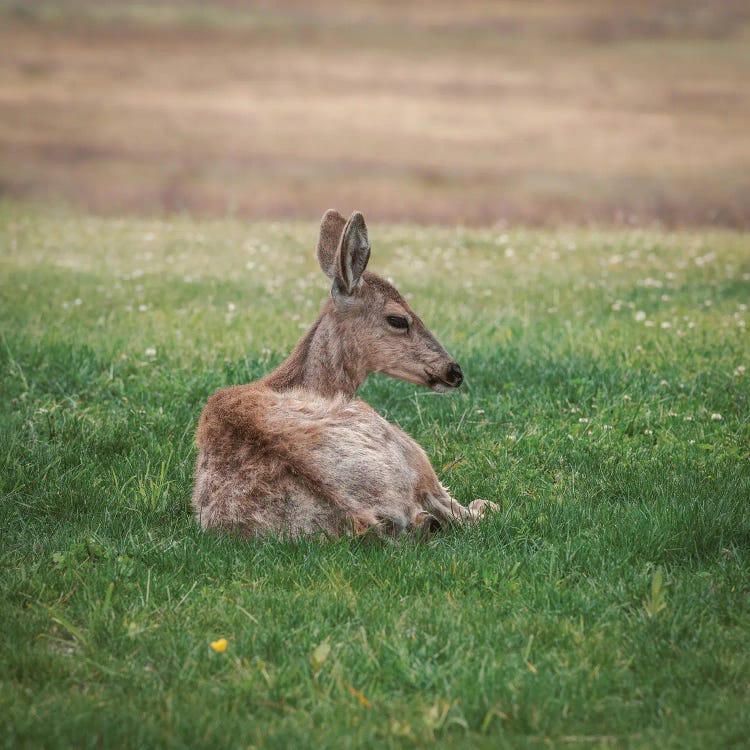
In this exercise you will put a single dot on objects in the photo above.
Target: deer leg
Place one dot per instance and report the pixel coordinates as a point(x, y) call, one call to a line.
point(447, 508)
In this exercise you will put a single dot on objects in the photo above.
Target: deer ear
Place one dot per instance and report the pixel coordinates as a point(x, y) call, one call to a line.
point(331, 228)
point(352, 256)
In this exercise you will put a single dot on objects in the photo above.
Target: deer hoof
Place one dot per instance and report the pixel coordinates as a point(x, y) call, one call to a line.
point(480, 507)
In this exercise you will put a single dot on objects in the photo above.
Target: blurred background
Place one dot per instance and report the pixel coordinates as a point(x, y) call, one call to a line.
point(475, 112)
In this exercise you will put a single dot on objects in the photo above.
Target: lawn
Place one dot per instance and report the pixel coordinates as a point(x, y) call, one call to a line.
point(605, 410)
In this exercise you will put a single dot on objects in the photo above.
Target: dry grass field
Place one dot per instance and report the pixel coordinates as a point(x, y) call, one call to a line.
point(478, 112)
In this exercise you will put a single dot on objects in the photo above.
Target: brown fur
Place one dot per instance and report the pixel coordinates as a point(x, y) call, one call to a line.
point(296, 453)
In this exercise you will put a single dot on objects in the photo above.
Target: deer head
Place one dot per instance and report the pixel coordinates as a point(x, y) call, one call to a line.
point(377, 330)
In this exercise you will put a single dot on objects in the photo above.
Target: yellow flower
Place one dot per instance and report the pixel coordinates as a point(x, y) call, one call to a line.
point(220, 646)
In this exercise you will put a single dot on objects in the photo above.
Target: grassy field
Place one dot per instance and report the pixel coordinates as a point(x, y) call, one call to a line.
point(605, 410)
point(439, 112)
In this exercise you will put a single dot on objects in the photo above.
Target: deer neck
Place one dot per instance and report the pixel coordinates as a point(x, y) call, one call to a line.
point(321, 362)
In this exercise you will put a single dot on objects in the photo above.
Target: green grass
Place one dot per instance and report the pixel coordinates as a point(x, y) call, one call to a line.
point(608, 603)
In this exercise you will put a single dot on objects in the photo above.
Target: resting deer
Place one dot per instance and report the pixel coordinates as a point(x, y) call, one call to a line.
point(296, 453)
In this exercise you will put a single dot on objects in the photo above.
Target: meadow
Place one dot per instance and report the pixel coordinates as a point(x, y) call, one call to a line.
point(605, 409)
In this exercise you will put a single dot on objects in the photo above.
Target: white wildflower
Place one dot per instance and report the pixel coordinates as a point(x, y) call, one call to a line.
point(716, 417)
point(640, 316)
point(650, 283)
point(150, 352)
point(701, 260)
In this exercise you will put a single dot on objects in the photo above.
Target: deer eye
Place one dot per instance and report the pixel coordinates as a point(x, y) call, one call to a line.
point(396, 321)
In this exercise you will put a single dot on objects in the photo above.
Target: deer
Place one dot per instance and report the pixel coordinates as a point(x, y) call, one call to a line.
point(297, 454)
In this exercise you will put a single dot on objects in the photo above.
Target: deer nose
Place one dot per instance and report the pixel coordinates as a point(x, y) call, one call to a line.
point(454, 376)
